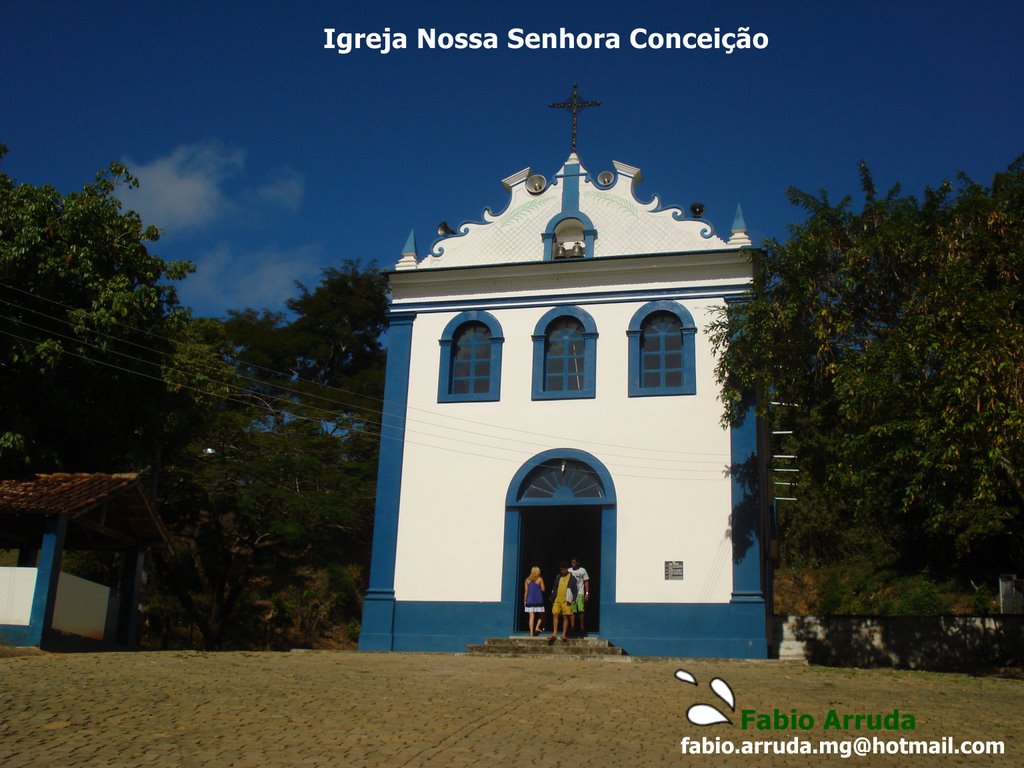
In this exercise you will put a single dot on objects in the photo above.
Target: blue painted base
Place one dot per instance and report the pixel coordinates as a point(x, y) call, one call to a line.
point(377, 632)
point(723, 630)
point(430, 626)
point(730, 630)
point(17, 635)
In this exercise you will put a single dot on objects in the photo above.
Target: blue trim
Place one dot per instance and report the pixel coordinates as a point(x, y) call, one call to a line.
point(727, 292)
point(514, 506)
point(571, 188)
point(44, 594)
point(634, 336)
point(558, 218)
point(44, 599)
point(715, 630)
point(444, 393)
point(513, 496)
point(461, 231)
point(748, 510)
point(377, 632)
point(722, 630)
point(446, 626)
point(704, 630)
point(589, 389)
point(744, 249)
point(596, 181)
point(570, 210)
point(16, 635)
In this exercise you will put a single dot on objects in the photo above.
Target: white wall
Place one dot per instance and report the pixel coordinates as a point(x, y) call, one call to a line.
point(666, 455)
point(17, 587)
point(81, 607)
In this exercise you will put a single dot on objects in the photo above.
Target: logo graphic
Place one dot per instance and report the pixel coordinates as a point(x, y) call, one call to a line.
point(705, 714)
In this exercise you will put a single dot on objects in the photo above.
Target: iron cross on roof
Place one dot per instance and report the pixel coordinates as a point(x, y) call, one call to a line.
point(574, 104)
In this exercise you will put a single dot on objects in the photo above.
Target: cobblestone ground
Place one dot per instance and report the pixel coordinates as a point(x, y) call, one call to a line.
point(347, 709)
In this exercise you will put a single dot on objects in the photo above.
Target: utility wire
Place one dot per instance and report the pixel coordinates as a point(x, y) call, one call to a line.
point(332, 416)
point(642, 450)
point(363, 429)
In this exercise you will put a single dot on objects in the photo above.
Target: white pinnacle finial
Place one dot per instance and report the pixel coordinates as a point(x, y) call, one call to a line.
point(740, 236)
point(408, 260)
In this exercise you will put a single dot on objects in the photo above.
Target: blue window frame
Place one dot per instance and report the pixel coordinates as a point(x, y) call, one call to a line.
point(565, 355)
point(662, 353)
point(470, 368)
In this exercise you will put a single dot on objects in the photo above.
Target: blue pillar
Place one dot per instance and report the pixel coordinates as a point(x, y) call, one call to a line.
point(746, 509)
point(748, 607)
point(45, 596)
point(377, 632)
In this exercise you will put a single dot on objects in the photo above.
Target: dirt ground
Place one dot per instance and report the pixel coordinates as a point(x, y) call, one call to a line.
point(350, 709)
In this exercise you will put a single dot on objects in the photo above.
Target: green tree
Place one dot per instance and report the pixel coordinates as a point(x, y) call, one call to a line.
point(260, 434)
point(898, 333)
point(332, 339)
point(81, 298)
point(273, 501)
point(267, 518)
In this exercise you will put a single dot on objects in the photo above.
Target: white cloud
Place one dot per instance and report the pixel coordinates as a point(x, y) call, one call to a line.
point(197, 185)
point(185, 189)
point(230, 278)
point(285, 191)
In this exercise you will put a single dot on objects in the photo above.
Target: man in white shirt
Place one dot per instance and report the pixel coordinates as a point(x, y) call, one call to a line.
point(580, 604)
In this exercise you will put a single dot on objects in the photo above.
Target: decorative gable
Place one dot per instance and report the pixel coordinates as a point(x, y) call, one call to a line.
point(573, 216)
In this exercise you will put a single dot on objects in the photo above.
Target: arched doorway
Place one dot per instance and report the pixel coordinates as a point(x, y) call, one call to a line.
point(560, 504)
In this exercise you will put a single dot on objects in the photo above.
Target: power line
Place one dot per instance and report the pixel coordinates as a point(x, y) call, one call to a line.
point(330, 415)
point(643, 450)
point(364, 430)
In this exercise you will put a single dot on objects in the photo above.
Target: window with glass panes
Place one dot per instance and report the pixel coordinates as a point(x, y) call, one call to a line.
point(471, 362)
point(661, 351)
point(564, 356)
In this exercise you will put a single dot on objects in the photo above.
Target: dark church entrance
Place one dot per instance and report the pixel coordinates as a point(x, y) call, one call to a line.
point(551, 534)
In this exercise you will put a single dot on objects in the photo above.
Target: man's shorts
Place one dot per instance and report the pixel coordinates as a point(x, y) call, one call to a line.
point(561, 608)
point(579, 606)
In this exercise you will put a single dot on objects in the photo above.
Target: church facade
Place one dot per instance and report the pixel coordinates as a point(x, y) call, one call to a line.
point(551, 394)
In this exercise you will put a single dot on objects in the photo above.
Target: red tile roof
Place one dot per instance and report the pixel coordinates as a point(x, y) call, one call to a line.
point(76, 494)
point(62, 492)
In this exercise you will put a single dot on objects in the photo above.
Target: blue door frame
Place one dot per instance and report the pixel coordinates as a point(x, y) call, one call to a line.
point(516, 504)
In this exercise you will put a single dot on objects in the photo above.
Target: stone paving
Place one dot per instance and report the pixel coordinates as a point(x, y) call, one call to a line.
point(187, 709)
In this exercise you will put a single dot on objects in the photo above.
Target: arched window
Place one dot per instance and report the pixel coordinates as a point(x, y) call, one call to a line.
point(661, 351)
point(564, 355)
point(470, 366)
point(562, 479)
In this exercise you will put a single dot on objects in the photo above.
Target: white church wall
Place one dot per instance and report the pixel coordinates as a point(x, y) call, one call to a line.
point(666, 455)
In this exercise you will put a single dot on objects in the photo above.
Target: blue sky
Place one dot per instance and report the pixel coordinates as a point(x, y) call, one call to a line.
point(265, 157)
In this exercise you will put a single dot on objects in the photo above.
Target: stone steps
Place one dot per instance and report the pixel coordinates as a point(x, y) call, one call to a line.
point(529, 646)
